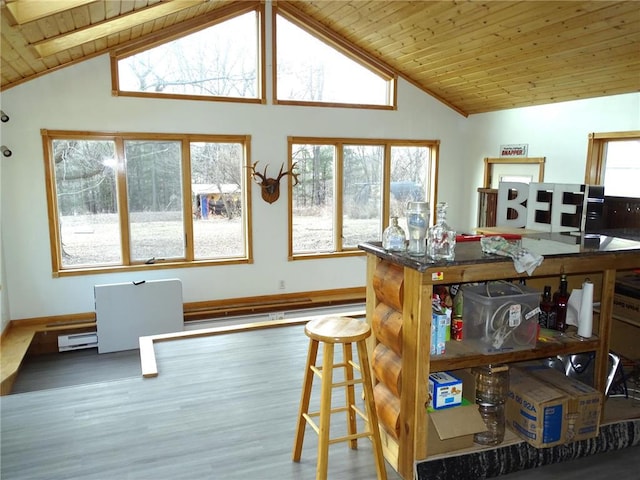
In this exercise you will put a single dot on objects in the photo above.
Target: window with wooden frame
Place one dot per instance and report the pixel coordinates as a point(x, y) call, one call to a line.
point(512, 169)
point(613, 160)
point(134, 200)
point(314, 66)
point(348, 188)
point(217, 58)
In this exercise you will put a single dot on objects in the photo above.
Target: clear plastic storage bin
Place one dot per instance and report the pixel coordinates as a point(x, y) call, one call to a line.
point(500, 317)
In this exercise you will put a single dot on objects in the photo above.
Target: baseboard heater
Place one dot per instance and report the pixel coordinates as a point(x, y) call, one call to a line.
point(77, 341)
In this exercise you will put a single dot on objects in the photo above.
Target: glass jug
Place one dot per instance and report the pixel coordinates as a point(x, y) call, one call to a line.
point(441, 238)
point(417, 223)
point(394, 238)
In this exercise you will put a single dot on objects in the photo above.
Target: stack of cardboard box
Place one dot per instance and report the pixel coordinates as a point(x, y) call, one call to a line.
point(544, 407)
point(625, 327)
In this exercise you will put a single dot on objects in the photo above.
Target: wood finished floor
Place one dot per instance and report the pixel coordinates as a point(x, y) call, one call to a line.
point(221, 408)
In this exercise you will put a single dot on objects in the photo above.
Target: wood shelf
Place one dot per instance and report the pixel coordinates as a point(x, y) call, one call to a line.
point(412, 282)
point(459, 356)
point(17, 339)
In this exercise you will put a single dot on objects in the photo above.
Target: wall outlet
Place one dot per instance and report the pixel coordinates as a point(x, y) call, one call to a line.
point(281, 285)
point(276, 316)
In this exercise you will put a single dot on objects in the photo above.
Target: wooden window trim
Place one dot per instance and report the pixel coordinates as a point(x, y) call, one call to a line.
point(184, 29)
point(594, 171)
point(489, 162)
point(339, 143)
point(288, 11)
point(118, 138)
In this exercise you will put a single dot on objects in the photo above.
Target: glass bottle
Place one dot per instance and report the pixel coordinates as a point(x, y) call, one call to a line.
point(417, 223)
point(492, 383)
point(492, 387)
point(457, 322)
point(547, 315)
point(493, 416)
point(561, 299)
point(393, 237)
point(441, 239)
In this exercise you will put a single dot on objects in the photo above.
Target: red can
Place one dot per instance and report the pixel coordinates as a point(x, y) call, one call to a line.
point(456, 329)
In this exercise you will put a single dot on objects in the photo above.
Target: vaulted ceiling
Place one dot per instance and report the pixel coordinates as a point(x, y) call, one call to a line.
point(475, 56)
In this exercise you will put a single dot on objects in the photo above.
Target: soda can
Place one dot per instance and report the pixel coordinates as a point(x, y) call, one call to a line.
point(456, 329)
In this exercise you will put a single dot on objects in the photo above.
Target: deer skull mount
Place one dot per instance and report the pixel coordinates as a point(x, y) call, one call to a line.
point(271, 186)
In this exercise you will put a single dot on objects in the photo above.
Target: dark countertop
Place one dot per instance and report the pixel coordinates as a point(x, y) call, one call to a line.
point(545, 244)
point(628, 233)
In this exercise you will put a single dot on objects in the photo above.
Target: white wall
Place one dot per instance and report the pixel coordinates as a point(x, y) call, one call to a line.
point(558, 132)
point(79, 98)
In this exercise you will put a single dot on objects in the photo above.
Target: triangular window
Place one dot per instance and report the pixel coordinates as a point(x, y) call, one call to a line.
point(312, 69)
point(221, 61)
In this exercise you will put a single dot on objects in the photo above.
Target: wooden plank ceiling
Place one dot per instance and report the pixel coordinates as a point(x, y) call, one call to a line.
point(476, 56)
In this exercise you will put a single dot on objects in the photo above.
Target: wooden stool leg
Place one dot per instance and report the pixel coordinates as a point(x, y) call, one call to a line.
point(371, 410)
point(307, 384)
point(325, 411)
point(350, 394)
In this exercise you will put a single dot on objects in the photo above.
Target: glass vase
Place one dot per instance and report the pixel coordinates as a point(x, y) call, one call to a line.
point(417, 222)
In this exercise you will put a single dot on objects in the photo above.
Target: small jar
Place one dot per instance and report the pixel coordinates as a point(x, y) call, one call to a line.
point(492, 387)
point(393, 237)
point(492, 384)
point(493, 416)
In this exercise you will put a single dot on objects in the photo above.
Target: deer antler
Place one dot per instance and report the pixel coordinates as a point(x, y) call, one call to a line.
point(254, 174)
point(289, 172)
point(271, 186)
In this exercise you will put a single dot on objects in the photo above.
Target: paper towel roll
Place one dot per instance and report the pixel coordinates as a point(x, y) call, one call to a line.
point(573, 307)
point(585, 318)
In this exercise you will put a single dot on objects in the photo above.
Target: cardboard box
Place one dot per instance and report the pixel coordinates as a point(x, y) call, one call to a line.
point(624, 339)
point(583, 406)
point(535, 410)
point(468, 383)
point(453, 428)
point(626, 299)
point(445, 390)
point(440, 325)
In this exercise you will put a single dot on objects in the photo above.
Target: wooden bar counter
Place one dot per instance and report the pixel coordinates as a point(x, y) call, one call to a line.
point(399, 292)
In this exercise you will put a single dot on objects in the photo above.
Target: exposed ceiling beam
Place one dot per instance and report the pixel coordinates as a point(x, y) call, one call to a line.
point(54, 45)
point(25, 11)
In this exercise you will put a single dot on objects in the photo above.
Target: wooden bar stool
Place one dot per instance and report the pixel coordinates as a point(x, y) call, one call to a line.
point(345, 331)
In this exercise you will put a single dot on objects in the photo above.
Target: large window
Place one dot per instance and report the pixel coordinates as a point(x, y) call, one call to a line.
point(348, 188)
point(220, 62)
point(129, 200)
point(613, 160)
point(314, 66)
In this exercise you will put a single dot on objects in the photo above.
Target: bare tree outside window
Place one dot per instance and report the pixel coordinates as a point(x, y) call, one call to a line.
point(411, 179)
point(154, 187)
point(219, 61)
point(323, 223)
point(362, 194)
point(313, 198)
point(310, 70)
point(217, 185)
point(86, 196)
point(94, 226)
